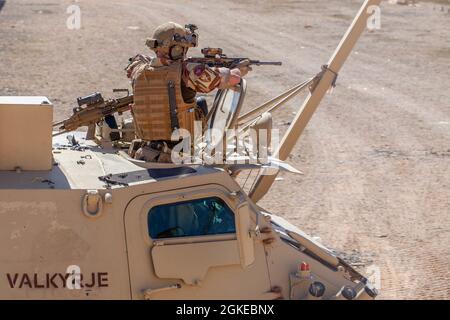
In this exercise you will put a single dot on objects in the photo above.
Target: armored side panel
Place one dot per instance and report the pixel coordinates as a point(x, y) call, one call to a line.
point(152, 104)
point(45, 237)
point(25, 133)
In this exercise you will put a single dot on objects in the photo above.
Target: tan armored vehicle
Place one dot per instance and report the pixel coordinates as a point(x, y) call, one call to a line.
point(80, 218)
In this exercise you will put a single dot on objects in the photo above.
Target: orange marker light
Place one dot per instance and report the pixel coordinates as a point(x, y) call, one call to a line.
point(304, 266)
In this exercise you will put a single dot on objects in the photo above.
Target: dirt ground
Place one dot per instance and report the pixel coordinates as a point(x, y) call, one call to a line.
point(376, 155)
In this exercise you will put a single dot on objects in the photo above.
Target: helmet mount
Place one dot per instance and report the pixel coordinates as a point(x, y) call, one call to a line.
point(173, 37)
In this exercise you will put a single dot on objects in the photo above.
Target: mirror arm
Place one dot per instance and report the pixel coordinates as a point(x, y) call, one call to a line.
point(284, 97)
point(287, 95)
point(359, 24)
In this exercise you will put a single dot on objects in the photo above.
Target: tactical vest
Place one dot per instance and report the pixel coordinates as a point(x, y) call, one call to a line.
point(159, 108)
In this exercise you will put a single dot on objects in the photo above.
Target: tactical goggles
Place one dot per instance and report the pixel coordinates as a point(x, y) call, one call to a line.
point(189, 40)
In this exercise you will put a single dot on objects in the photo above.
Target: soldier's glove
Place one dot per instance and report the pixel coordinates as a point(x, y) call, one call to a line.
point(244, 67)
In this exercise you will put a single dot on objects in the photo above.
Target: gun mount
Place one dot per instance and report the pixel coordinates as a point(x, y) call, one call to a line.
point(92, 109)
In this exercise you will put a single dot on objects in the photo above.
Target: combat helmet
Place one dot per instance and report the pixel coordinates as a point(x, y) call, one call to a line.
point(174, 38)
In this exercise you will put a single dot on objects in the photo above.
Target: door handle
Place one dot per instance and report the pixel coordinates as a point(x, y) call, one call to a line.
point(149, 292)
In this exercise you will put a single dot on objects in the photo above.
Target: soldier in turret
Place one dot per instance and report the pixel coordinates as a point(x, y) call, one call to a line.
point(165, 87)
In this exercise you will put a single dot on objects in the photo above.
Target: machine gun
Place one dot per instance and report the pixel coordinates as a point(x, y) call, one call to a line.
point(91, 109)
point(214, 57)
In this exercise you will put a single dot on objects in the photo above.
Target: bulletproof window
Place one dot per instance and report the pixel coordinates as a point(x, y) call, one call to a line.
point(198, 217)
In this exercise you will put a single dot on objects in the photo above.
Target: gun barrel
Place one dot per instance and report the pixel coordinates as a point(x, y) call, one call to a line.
point(265, 63)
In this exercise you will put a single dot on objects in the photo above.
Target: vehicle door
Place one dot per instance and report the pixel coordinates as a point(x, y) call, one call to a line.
point(194, 244)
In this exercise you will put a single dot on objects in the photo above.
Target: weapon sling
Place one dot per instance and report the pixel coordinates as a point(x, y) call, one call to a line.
point(172, 105)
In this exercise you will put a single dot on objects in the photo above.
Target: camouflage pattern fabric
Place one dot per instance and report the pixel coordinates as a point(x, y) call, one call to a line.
point(197, 76)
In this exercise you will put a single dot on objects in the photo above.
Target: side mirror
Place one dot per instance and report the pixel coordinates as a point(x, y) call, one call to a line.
point(245, 240)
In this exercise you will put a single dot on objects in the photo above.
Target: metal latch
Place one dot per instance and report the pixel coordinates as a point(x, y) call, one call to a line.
point(255, 233)
point(92, 204)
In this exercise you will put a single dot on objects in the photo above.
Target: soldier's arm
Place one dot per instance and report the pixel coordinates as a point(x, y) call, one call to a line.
point(229, 77)
point(202, 78)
